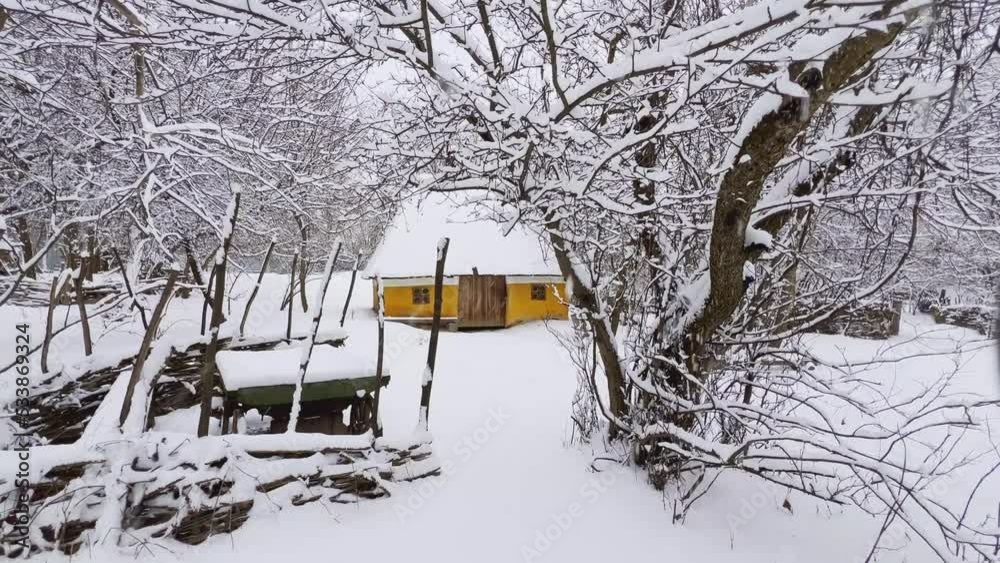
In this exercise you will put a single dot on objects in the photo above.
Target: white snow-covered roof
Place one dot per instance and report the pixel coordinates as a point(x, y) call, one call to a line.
point(409, 247)
point(242, 368)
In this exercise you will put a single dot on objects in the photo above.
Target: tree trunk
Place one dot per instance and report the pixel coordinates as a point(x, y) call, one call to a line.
point(585, 299)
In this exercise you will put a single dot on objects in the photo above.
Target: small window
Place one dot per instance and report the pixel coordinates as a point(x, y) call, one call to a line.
point(537, 292)
point(421, 296)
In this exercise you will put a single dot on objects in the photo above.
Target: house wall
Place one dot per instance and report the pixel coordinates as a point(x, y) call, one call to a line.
point(521, 308)
point(399, 301)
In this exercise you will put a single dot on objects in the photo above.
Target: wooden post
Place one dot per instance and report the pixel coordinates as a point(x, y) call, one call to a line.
point(55, 294)
point(227, 413)
point(208, 369)
point(147, 342)
point(195, 268)
point(350, 290)
point(428, 379)
point(291, 294)
point(128, 288)
point(380, 296)
point(23, 231)
point(256, 287)
point(303, 266)
point(207, 293)
point(311, 338)
point(81, 273)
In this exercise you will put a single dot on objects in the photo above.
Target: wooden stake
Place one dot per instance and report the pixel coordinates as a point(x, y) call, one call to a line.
point(428, 380)
point(88, 345)
point(311, 338)
point(291, 294)
point(303, 266)
point(55, 294)
point(147, 342)
point(208, 370)
point(207, 294)
point(350, 290)
point(256, 287)
point(128, 288)
point(380, 296)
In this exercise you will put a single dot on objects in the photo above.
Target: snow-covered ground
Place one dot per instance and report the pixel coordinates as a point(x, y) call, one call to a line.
point(514, 489)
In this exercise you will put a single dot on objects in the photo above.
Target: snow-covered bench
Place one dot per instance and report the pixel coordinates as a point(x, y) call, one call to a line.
point(336, 379)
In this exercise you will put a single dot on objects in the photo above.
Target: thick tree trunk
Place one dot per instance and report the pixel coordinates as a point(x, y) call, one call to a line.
point(758, 155)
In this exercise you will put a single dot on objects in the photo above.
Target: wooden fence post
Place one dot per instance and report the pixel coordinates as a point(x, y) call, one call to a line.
point(128, 288)
point(208, 369)
point(147, 342)
point(207, 293)
point(380, 296)
point(310, 343)
point(256, 287)
point(55, 294)
point(291, 297)
point(81, 273)
point(303, 264)
point(350, 290)
point(428, 378)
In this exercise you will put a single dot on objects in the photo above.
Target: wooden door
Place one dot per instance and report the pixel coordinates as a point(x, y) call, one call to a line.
point(482, 301)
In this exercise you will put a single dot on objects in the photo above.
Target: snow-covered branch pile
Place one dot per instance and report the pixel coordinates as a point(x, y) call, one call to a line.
point(178, 488)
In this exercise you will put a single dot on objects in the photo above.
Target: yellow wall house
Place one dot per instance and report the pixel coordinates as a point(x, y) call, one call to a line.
point(492, 278)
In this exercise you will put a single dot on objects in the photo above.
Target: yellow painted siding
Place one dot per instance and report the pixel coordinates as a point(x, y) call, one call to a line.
point(521, 308)
point(399, 302)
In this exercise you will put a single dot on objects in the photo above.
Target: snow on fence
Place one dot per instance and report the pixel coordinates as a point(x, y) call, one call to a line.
point(980, 318)
point(188, 489)
point(876, 321)
point(64, 403)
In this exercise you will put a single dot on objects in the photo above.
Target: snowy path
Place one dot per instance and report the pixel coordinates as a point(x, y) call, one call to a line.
point(499, 417)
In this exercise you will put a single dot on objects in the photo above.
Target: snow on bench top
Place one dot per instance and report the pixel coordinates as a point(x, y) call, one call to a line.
point(243, 369)
point(409, 248)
